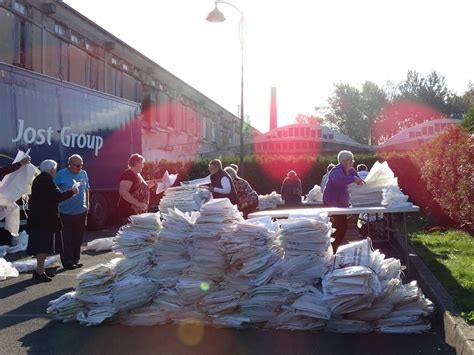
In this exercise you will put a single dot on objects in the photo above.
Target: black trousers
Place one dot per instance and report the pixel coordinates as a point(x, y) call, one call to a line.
point(74, 227)
point(340, 223)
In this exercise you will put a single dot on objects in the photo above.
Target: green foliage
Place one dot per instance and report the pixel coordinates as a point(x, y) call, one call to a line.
point(345, 112)
point(439, 177)
point(447, 168)
point(431, 90)
point(407, 170)
point(379, 113)
point(468, 121)
point(307, 119)
point(450, 256)
point(373, 99)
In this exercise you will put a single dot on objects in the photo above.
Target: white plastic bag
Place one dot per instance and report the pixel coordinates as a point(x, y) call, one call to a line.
point(30, 264)
point(166, 181)
point(101, 244)
point(13, 186)
point(11, 212)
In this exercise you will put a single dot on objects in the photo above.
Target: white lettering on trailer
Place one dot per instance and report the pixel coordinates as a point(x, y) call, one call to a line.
point(41, 136)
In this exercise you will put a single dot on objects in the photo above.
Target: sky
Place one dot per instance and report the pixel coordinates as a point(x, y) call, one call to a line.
point(301, 47)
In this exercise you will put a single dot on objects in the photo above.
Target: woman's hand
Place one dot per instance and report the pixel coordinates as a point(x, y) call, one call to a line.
point(152, 183)
point(142, 205)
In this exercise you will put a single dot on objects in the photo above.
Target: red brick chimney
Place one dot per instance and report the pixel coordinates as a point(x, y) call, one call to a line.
point(273, 109)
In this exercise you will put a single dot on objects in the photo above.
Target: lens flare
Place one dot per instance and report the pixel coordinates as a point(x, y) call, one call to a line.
point(204, 286)
point(191, 332)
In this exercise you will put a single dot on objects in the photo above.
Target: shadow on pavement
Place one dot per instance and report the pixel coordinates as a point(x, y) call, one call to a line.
point(23, 313)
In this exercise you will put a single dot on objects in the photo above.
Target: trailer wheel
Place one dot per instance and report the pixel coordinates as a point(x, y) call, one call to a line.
point(98, 212)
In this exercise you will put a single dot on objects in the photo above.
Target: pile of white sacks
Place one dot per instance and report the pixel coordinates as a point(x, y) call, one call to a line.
point(381, 187)
point(269, 201)
point(216, 268)
point(185, 198)
point(314, 195)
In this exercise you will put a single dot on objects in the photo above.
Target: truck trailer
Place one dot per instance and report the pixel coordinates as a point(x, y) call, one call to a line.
point(55, 119)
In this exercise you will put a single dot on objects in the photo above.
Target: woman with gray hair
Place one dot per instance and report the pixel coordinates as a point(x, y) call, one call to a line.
point(44, 223)
point(336, 193)
point(246, 196)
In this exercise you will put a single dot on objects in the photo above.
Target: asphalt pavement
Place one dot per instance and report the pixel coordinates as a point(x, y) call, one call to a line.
point(25, 328)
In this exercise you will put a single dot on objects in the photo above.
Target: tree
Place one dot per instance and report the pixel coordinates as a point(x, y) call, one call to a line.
point(309, 119)
point(345, 112)
point(373, 100)
point(353, 111)
point(419, 99)
point(468, 121)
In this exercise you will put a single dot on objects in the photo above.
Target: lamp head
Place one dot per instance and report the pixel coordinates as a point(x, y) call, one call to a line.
point(215, 15)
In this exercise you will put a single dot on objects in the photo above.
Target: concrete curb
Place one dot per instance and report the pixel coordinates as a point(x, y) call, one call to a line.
point(458, 333)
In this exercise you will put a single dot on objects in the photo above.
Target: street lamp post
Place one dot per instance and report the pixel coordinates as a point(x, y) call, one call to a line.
point(217, 16)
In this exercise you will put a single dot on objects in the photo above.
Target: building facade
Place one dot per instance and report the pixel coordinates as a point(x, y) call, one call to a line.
point(411, 138)
point(178, 122)
point(304, 139)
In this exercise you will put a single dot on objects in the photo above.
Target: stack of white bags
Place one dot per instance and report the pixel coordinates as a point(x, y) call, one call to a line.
point(186, 198)
point(216, 268)
point(380, 176)
point(314, 195)
point(269, 201)
point(392, 196)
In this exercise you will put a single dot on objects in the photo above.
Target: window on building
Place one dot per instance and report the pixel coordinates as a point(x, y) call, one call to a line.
point(290, 132)
point(305, 145)
point(306, 132)
point(285, 134)
point(279, 134)
point(331, 136)
point(325, 136)
point(115, 62)
point(319, 133)
point(291, 146)
point(59, 29)
point(125, 67)
point(19, 7)
point(278, 146)
point(297, 145)
point(75, 38)
point(424, 131)
point(418, 134)
point(313, 133)
point(301, 131)
point(430, 130)
point(437, 127)
point(412, 134)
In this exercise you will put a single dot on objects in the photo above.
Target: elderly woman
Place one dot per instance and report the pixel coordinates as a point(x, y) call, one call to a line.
point(221, 184)
point(134, 191)
point(246, 196)
point(291, 189)
point(336, 193)
point(44, 222)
